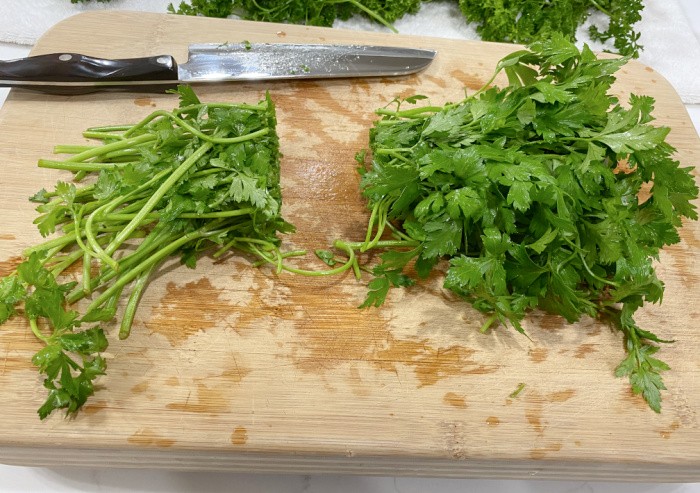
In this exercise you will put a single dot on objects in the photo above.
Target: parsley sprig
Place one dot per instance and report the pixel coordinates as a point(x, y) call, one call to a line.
point(201, 178)
point(547, 193)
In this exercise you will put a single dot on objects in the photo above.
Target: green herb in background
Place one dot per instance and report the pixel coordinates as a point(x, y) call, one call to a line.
point(526, 21)
point(509, 21)
point(314, 13)
point(534, 194)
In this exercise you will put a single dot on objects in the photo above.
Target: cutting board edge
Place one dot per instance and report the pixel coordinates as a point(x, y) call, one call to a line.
point(275, 458)
point(464, 468)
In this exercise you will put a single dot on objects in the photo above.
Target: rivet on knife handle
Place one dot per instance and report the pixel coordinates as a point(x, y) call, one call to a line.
point(72, 73)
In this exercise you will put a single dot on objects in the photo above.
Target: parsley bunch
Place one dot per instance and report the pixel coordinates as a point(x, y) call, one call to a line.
point(545, 194)
point(203, 177)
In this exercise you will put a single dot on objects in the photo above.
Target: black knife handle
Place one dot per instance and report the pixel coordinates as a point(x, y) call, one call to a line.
point(72, 73)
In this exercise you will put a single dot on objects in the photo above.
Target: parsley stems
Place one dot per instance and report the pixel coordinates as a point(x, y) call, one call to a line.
point(124, 234)
point(175, 184)
point(183, 124)
point(158, 256)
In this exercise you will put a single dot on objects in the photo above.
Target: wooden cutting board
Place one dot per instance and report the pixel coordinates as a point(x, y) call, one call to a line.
point(235, 368)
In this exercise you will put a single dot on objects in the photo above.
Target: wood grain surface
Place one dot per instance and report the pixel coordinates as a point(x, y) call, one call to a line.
point(231, 367)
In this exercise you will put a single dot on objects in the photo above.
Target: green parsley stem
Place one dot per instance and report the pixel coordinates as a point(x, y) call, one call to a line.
point(133, 303)
point(102, 135)
point(59, 241)
point(517, 391)
point(413, 112)
point(599, 7)
point(35, 330)
point(82, 166)
point(72, 149)
point(284, 255)
point(87, 274)
point(114, 146)
point(398, 233)
point(370, 13)
point(110, 128)
point(350, 263)
point(185, 215)
point(356, 245)
point(69, 260)
point(488, 323)
point(382, 210)
point(393, 151)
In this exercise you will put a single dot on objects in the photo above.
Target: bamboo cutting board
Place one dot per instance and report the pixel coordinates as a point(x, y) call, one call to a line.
point(230, 367)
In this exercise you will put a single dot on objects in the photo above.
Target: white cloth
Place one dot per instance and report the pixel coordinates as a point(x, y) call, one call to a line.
point(670, 46)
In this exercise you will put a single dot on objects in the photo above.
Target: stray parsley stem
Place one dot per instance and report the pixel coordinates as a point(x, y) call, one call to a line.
point(517, 391)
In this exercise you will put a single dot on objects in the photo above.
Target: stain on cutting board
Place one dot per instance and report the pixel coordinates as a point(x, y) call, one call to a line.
point(187, 309)
point(149, 438)
point(455, 400)
point(8, 266)
point(239, 436)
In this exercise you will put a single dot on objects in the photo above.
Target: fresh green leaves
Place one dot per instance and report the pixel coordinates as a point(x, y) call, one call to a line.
point(69, 382)
point(532, 192)
point(179, 183)
point(527, 21)
point(314, 13)
point(69, 360)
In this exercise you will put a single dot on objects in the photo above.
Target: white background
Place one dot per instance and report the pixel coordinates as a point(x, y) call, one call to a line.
point(63, 480)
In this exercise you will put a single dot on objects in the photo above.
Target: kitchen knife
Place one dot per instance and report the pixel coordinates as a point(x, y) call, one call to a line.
point(71, 73)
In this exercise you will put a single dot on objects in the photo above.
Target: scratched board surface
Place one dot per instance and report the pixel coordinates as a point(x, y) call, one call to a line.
point(234, 367)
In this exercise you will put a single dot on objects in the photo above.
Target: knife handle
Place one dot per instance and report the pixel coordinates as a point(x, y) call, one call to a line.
point(72, 73)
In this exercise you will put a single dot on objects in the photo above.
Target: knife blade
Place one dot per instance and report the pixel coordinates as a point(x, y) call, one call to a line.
point(73, 73)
